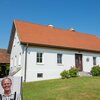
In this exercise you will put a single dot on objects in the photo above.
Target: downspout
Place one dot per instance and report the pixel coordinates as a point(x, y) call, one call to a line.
point(25, 74)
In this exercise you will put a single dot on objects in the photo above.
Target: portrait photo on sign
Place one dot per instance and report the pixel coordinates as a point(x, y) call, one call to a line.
point(11, 88)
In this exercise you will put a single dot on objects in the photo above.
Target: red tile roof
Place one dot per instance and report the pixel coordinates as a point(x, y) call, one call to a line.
point(4, 56)
point(46, 35)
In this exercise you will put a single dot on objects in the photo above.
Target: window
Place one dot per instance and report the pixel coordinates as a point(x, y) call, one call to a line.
point(94, 60)
point(14, 41)
point(87, 59)
point(19, 60)
point(39, 57)
point(59, 58)
point(39, 75)
point(17, 42)
point(15, 61)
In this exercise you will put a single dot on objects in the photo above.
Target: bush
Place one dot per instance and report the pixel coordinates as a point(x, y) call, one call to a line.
point(95, 71)
point(73, 72)
point(64, 74)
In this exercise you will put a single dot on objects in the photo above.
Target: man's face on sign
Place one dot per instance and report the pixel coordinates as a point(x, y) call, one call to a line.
point(6, 84)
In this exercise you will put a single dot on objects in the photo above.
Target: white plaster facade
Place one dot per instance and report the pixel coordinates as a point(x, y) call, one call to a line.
point(25, 56)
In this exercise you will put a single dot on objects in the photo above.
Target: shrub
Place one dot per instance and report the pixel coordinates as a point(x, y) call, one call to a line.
point(73, 72)
point(95, 71)
point(64, 74)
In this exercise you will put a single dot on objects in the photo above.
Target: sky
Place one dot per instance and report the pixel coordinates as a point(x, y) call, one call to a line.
point(82, 15)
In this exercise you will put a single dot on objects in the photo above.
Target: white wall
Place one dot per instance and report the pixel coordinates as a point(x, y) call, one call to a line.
point(87, 65)
point(50, 68)
point(16, 58)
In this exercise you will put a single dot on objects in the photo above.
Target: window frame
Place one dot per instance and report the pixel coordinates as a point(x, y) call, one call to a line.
point(39, 75)
point(59, 58)
point(94, 61)
point(39, 57)
point(19, 59)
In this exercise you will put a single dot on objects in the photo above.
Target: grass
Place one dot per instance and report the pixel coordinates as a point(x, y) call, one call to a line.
point(80, 88)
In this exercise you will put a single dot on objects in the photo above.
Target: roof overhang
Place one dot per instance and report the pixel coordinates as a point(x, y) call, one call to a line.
point(60, 47)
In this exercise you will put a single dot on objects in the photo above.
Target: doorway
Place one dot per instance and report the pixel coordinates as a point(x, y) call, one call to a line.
point(78, 61)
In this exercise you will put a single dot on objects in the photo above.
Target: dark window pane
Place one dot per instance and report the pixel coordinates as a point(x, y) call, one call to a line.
point(37, 59)
point(94, 60)
point(40, 54)
point(37, 54)
point(59, 58)
point(39, 75)
point(40, 59)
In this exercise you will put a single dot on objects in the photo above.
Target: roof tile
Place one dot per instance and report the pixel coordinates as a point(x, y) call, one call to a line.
point(44, 35)
point(4, 56)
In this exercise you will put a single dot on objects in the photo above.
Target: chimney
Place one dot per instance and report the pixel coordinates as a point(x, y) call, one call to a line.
point(50, 25)
point(72, 29)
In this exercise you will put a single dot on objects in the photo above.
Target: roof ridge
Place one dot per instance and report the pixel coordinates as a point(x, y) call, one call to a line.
point(40, 25)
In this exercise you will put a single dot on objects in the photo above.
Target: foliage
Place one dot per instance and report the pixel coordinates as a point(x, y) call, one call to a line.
point(7, 68)
point(95, 71)
point(73, 72)
point(64, 74)
point(4, 70)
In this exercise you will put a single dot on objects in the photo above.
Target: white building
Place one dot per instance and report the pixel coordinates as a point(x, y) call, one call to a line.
point(44, 52)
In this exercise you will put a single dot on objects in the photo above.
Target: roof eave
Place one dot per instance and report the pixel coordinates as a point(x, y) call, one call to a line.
point(60, 47)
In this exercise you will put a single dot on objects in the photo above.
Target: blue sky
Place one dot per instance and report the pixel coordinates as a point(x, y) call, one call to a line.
point(83, 15)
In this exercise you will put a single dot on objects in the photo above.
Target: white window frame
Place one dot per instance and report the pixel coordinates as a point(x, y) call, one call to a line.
point(39, 58)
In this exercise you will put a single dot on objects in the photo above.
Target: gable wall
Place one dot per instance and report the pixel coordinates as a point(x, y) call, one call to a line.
point(17, 55)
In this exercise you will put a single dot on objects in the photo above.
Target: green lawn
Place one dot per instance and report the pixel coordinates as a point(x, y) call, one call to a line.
point(80, 88)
